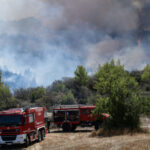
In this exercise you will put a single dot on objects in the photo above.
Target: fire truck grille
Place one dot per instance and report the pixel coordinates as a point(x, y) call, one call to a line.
point(9, 131)
point(9, 137)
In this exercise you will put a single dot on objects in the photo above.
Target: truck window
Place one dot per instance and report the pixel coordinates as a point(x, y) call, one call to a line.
point(8, 120)
point(73, 115)
point(85, 111)
point(30, 118)
point(59, 115)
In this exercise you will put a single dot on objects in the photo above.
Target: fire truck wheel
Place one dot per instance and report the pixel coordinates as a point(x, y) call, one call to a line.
point(42, 134)
point(39, 136)
point(1, 146)
point(66, 127)
point(27, 141)
point(73, 127)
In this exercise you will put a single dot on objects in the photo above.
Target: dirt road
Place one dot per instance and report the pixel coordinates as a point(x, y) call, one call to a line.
point(81, 140)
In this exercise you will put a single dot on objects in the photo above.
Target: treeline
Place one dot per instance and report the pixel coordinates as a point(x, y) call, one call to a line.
point(76, 90)
point(103, 86)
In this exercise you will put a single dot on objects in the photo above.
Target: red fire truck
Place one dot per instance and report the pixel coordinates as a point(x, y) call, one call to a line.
point(22, 126)
point(70, 116)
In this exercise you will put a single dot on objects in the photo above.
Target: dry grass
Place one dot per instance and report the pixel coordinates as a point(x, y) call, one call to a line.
point(80, 140)
point(137, 145)
point(109, 133)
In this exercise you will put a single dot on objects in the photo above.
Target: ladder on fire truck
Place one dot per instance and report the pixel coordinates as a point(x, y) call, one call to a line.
point(69, 106)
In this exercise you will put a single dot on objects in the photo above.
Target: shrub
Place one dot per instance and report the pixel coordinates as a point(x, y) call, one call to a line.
point(118, 96)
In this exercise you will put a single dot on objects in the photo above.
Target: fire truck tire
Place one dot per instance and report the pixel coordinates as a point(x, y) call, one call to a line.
point(39, 136)
point(66, 127)
point(2, 146)
point(43, 134)
point(73, 127)
point(27, 141)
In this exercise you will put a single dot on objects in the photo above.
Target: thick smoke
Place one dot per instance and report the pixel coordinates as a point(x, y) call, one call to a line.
point(106, 15)
point(44, 40)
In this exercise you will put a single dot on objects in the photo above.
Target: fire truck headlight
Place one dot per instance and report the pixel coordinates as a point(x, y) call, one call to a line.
point(22, 136)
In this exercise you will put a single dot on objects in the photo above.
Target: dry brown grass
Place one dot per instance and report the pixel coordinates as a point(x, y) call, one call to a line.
point(137, 145)
point(108, 133)
point(80, 140)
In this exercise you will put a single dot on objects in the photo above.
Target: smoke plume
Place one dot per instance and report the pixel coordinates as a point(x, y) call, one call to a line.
point(44, 40)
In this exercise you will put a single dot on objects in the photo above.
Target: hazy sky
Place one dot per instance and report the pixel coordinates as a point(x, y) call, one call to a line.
point(44, 40)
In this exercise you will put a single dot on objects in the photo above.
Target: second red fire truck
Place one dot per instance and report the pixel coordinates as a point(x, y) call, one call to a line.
point(70, 116)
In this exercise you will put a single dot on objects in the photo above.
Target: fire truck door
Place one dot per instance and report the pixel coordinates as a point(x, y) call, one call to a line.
point(31, 122)
point(85, 115)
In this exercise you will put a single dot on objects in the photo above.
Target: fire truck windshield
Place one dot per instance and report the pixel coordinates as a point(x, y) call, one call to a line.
point(10, 120)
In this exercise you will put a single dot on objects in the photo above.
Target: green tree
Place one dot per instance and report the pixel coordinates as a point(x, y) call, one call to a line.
point(57, 86)
point(82, 94)
point(6, 98)
point(38, 93)
point(68, 98)
point(118, 95)
point(146, 78)
point(81, 76)
point(145, 105)
point(23, 94)
point(137, 75)
point(1, 78)
point(146, 73)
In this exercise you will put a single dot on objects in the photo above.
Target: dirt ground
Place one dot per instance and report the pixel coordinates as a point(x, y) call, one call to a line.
point(81, 140)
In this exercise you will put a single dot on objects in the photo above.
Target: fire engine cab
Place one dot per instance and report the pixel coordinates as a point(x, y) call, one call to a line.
point(70, 116)
point(22, 126)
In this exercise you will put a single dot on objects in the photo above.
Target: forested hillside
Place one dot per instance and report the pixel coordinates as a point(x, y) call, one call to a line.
point(80, 89)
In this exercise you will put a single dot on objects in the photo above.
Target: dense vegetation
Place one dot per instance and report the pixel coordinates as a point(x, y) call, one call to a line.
point(119, 96)
point(125, 95)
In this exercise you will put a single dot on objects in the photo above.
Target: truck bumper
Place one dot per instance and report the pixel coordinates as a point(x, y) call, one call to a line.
point(20, 139)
